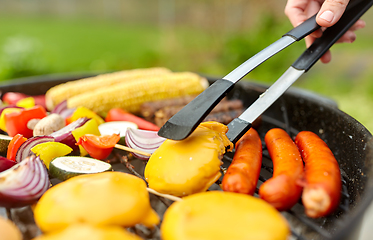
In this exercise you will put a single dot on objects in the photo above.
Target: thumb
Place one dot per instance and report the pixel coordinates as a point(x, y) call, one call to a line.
point(330, 12)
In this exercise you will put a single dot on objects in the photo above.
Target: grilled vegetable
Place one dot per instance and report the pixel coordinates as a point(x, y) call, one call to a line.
point(118, 114)
point(49, 150)
point(9, 231)
point(24, 183)
point(16, 122)
point(220, 215)
point(14, 145)
point(90, 127)
point(6, 163)
point(322, 180)
point(48, 125)
point(67, 167)
point(130, 95)
point(100, 199)
point(189, 166)
point(4, 143)
point(98, 147)
point(81, 112)
point(61, 92)
point(86, 231)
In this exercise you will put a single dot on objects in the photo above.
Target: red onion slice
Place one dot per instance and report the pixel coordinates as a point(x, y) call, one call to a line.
point(25, 149)
point(65, 136)
point(143, 140)
point(24, 183)
point(62, 109)
point(6, 163)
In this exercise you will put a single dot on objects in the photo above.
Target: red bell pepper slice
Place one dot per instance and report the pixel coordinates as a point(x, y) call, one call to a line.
point(11, 98)
point(98, 147)
point(16, 122)
point(118, 114)
point(14, 145)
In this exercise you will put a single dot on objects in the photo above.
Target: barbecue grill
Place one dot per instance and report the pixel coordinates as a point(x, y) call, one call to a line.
point(295, 111)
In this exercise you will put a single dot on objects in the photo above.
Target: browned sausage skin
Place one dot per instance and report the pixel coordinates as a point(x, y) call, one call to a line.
point(243, 173)
point(322, 179)
point(282, 190)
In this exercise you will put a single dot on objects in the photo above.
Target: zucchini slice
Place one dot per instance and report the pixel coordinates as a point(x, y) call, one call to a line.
point(4, 142)
point(67, 167)
point(115, 127)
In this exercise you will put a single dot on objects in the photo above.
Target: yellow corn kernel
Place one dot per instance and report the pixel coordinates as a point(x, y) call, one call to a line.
point(130, 95)
point(61, 92)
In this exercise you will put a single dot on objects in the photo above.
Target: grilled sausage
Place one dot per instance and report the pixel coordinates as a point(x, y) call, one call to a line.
point(322, 180)
point(282, 190)
point(243, 173)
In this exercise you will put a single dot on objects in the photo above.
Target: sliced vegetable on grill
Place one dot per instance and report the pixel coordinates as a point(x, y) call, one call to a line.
point(322, 180)
point(4, 143)
point(6, 111)
point(189, 166)
point(61, 92)
point(9, 230)
point(16, 122)
point(98, 147)
point(64, 135)
point(90, 127)
point(223, 215)
point(118, 114)
point(67, 167)
point(117, 127)
point(14, 145)
point(99, 199)
point(25, 149)
point(144, 141)
point(48, 151)
point(87, 231)
point(81, 112)
point(24, 183)
point(130, 95)
point(46, 126)
point(5, 163)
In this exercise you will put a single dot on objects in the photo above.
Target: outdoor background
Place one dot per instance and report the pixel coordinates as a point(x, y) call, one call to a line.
point(210, 37)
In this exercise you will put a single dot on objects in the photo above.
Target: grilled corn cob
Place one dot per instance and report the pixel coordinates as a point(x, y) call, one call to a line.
point(130, 95)
point(64, 91)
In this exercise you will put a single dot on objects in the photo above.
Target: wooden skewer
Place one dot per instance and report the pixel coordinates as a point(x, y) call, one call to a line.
point(132, 150)
point(171, 197)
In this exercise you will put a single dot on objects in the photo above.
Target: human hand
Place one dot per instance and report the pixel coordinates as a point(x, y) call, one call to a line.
point(328, 13)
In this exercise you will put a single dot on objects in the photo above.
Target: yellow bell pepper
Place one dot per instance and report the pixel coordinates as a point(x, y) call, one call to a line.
point(81, 112)
point(219, 215)
point(189, 166)
point(85, 231)
point(99, 199)
point(50, 150)
point(27, 102)
point(90, 127)
point(2, 118)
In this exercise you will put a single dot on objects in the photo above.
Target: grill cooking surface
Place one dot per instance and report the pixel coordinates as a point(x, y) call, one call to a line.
point(295, 111)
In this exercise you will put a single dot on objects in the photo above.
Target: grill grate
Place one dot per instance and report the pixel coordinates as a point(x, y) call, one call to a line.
point(302, 227)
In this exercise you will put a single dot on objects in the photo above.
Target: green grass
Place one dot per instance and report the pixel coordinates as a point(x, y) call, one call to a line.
point(41, 45)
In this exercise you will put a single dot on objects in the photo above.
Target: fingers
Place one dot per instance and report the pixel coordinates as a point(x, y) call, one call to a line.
point(330, 12)
point(295, 10)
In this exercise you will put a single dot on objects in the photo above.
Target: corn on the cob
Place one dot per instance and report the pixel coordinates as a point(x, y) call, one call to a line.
point(64, 91)
point(130, 95)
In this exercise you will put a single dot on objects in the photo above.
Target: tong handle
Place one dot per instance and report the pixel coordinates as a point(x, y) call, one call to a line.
point(332, 34)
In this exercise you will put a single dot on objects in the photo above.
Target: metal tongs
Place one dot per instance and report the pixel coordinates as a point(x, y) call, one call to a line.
point(183, 123)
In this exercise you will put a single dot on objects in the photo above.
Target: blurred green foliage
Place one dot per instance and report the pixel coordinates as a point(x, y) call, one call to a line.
point(42, 45)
